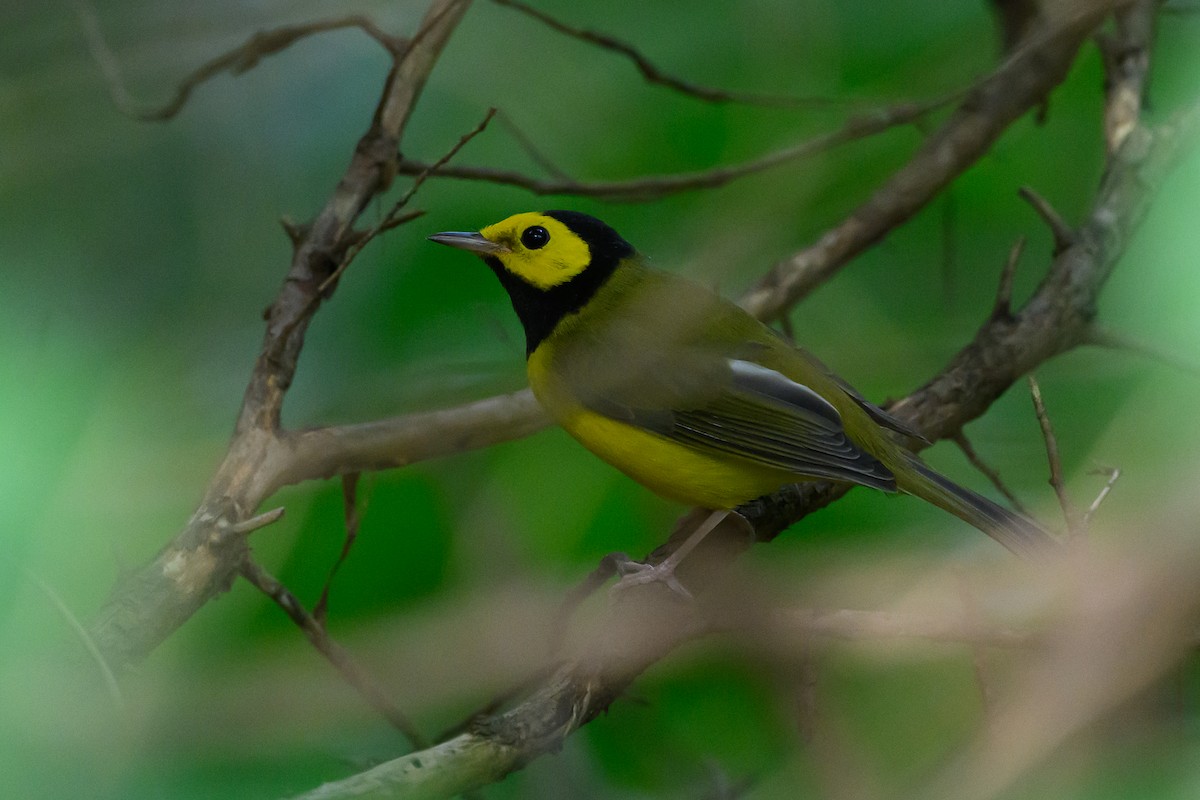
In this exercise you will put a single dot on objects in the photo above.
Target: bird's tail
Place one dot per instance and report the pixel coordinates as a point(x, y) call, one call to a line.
point(1016, 532)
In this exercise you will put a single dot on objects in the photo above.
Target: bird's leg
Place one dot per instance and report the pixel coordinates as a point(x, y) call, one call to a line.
point(635, 573)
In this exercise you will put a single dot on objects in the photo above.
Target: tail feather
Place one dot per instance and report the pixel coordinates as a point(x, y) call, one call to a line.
point(1016, 532)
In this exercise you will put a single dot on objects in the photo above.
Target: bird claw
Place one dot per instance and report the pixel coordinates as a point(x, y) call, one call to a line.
point(638, 573)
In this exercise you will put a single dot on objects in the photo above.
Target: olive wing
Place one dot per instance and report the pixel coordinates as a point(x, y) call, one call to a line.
point(732, 407)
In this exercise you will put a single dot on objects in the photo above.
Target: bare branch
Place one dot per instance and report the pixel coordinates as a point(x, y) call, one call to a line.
point(654, 75)
point(1003, 307)
point(964, 444)
point(398, 441)
point(353, 520)
point(1056, 318)
point(1063, 233)
point(1016, 86)
point(535, 154)
point(394, 217)
point(644, 627)
point(200, 561)
point(1116, 340)
point(638, 190)
point(1113, 473)
point(641, 630)
point(370, 172)
point(241, 59)
point(1074, 523)
point(314, 630)
point(257, 522)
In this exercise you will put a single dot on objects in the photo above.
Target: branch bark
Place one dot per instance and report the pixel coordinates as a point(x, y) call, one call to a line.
point(203, 559)
point(1022, 83)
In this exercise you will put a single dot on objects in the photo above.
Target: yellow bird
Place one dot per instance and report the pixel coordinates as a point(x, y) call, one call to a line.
point(687, 393)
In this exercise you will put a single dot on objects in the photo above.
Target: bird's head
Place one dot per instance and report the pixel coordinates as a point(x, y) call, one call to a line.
point(543, 249)
point(550, 262)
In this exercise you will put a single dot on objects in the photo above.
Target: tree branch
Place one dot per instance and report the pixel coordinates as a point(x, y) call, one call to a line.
point(1021, 83)
point(654, 75)
point(241, 59)
point(314, 630)
point(203, 559)
point(637, 190)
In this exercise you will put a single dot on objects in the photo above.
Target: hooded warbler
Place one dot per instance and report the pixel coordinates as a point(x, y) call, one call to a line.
point(687, 393)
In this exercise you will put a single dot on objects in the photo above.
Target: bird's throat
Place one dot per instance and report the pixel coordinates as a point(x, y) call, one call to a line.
point(541, 310)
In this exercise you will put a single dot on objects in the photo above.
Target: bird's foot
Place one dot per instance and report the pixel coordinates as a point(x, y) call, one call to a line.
point(638, 573)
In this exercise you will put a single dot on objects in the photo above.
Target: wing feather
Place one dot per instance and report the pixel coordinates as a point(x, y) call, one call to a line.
point(756, 414)
point(650, 358)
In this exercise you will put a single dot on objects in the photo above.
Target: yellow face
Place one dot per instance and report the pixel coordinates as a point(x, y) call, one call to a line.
point(538, 249)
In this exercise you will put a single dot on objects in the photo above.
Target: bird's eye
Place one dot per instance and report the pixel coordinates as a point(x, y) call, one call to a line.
point(535, 237)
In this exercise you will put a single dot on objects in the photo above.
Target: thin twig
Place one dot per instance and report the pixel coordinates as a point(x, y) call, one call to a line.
point(353, 519)
point(257, 522)
point(993, 103)
point(535, 154)
point(1074, 524)
point(394, 217)
point(1116, 340)
point(106, 673)
point(1003, 307)
point(240, 59)
point(1113, 473)
point(651, 187)
point(654, 75)
point(319, 637)
point(964, 444)
point(1063, 233)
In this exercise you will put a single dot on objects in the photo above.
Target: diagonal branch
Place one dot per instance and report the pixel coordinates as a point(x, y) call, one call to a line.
point(314, 630)
point(1021, 83)
point(636, 190)
point(654, 75)
point(204, 558)
point(241, 59)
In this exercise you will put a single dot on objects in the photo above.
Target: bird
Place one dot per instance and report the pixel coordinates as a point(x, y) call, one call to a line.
point(686, 392)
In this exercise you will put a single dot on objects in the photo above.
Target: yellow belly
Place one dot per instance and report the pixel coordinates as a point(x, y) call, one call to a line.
point(673, 470)
point(669, 469)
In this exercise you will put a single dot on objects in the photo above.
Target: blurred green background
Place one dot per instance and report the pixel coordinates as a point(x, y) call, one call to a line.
point(135, 261)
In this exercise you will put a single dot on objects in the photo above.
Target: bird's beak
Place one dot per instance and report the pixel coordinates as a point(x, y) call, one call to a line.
point(475, 242)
